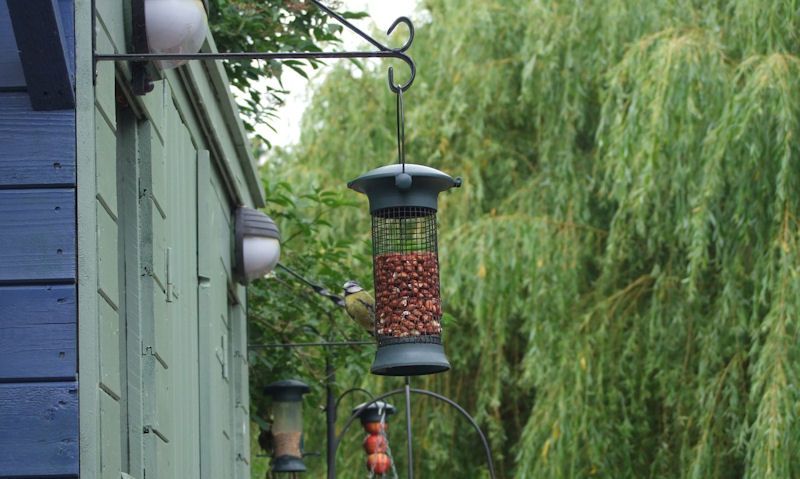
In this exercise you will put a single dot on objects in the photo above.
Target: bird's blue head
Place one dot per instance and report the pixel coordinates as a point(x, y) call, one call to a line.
point(351, 287)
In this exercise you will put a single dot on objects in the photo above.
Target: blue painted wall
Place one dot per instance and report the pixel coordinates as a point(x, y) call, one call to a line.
point(38, 310)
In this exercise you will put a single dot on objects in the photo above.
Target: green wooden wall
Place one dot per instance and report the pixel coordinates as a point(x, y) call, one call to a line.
point(163, 335)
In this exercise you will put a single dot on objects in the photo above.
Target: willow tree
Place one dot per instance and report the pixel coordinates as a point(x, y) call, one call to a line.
point(620, 270)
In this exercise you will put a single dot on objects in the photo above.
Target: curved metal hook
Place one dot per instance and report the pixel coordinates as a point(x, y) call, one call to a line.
point(397, 52)
point(405, 86)
point(401, 55)
point(407, 22)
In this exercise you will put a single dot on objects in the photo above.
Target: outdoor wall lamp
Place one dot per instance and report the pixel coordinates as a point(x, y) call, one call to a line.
point(164, 27)
point(175, 26)
point(287, 424)
point(258, 246)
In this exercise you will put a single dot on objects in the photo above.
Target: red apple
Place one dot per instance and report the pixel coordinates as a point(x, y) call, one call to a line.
point(379, 463)
point(375, 443)
point(375, 427)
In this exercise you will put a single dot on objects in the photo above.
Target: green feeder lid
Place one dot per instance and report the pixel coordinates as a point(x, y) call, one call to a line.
point(374, 412)
point(392, 186)
point(288, 390)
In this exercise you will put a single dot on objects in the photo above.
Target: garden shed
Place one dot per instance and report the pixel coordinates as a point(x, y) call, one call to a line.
point(122, 328)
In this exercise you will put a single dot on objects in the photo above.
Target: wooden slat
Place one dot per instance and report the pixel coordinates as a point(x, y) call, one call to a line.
point(38, 147)
point(105, 89)
point(237, 167)
point(239, 372)
point(153, 104)
point(111, 19)
point(110, 437)
point(215, 338)
point(39, 430)
point(110, 374)
point(107, 258)
point(66, 11)
point(162, 324)
point(159, 232)
point(180, 205)
point(37, 332)
point(44, 52)
point(158, 164)
point(11, 75)
point(37, 231)
point(106, 155)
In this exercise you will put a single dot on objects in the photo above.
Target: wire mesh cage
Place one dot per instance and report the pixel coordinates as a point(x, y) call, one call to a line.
point(406, 273)
point(408, 309)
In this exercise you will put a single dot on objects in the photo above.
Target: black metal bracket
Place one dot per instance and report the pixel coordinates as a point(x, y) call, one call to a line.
point(141, 58)
point(321, 344)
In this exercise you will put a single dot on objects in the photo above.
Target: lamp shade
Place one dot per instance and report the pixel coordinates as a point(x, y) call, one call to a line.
point(258, 247)
point(175, 26)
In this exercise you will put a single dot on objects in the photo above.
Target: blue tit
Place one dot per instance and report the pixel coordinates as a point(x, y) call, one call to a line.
point(360, 305)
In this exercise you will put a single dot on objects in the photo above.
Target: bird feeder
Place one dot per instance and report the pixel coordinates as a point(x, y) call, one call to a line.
point(376, 444)
point(287, 425)
point(403, 201)
point(373, 414)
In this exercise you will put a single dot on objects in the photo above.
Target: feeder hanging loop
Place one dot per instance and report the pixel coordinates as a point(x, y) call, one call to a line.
point(401, 140)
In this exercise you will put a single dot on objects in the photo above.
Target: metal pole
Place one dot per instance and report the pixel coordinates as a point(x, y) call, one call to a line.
point(330, 414)
point(245, 56)
point(330, 402)
point(408, 429)
point(321, 344)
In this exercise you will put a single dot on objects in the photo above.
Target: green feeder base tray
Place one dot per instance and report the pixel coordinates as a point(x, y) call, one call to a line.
point(410, 359)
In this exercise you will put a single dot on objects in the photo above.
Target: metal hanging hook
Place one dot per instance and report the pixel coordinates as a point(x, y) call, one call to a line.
point(407, 22)
point(412, 67)
point(405, 86)
point(398, 52)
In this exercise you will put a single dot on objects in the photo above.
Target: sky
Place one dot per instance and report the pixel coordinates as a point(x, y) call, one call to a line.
point(381, 15)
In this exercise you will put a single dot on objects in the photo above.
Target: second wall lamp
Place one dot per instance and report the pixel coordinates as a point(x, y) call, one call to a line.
point(257, 244)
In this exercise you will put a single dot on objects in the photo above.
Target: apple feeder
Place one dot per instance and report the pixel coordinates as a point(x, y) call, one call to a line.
point(287, 425)
point(376, 444)
point(403, 200)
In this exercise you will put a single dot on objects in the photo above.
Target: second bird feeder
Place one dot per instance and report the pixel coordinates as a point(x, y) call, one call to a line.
point(376, 444)
point(403, 201)
point(287, 425)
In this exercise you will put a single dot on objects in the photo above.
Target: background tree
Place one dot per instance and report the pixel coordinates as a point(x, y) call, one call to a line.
point(269, 26)
point(620, 269)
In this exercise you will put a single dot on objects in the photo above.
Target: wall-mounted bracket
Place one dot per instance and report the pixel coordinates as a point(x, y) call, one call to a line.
point(142, 83)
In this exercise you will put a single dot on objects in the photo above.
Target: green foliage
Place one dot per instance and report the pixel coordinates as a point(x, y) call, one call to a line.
point(283, 310)
point(273, 26)
point(620, 269)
